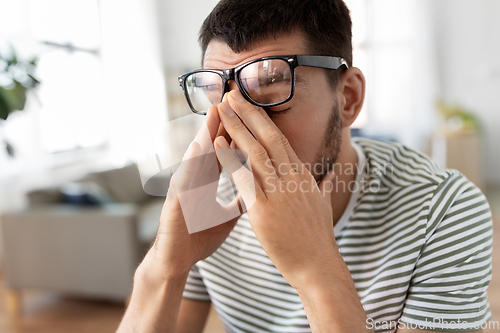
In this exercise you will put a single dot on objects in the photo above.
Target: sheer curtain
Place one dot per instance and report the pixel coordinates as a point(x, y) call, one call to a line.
point(101, 70)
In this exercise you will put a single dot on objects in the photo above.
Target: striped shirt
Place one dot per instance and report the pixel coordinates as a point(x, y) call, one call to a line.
point(417, 239)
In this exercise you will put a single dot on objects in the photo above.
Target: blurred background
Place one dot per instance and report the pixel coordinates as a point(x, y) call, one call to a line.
point(91, 112)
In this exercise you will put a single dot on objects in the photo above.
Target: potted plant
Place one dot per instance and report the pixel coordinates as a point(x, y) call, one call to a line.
point(16, 81)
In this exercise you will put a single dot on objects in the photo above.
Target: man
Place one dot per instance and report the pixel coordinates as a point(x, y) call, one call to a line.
point(377, 239)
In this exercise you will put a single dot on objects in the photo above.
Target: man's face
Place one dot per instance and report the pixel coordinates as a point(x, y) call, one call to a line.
point(310, 120)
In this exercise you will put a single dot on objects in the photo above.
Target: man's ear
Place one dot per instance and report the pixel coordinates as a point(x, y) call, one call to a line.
point(351, 88)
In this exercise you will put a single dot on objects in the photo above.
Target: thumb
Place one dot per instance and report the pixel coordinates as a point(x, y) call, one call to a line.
point(242, 177)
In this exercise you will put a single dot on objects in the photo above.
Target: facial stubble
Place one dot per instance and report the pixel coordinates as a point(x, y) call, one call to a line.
point(329, 150)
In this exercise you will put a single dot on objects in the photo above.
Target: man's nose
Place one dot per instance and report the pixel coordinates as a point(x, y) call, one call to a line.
point(232, 85)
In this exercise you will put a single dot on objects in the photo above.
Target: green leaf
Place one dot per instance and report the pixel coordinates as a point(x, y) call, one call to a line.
point(15, 98)
point(4, 106)
point(20, 92)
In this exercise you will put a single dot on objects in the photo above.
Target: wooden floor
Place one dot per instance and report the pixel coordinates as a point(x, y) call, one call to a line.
point(45, 312)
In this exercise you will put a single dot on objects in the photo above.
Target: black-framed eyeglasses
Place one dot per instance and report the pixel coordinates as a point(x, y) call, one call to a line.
point(264, 82)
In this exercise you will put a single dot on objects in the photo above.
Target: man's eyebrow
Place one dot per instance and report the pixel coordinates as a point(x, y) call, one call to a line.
point(300, 79)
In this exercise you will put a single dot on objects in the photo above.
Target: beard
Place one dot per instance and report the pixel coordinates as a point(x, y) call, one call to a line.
point(329, 150)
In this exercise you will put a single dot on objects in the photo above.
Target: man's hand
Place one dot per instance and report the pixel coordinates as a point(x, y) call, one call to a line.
point(160, 279)
point(191, 201)
point(291, 216)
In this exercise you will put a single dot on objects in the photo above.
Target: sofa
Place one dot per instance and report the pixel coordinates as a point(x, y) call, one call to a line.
point(83, 238)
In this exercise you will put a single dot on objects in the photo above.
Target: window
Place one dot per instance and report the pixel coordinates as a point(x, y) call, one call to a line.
point(72, 114)
point(393, 47)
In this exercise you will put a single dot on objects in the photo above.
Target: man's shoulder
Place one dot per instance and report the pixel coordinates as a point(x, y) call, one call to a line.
point(412, 184)
point(399, 165)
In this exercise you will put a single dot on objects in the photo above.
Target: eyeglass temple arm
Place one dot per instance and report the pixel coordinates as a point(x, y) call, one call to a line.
point(321, 61)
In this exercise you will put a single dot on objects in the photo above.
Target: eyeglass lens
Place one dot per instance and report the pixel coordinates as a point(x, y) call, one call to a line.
point(265, 82)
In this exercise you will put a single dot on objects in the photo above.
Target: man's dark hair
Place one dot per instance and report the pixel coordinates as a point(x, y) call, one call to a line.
point(326, 25)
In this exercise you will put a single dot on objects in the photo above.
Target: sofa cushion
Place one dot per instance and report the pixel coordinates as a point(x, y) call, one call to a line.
point(45, 196)
point(85, 193)
point(123, 184)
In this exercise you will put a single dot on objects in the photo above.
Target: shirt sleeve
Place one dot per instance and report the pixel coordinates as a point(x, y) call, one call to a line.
point(195, 288)
point(448, 291)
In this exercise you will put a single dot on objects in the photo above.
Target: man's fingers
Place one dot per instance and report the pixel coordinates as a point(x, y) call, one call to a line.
point(190, 171)
point(269, 136)
point(242, 177)
point(213, 122)
point(262, 165)
point(211, 169)
point(292, 156)
point(295, 161)
point(208, 131)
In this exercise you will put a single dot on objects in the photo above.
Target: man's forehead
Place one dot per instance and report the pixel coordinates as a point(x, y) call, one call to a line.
point(219, 55)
